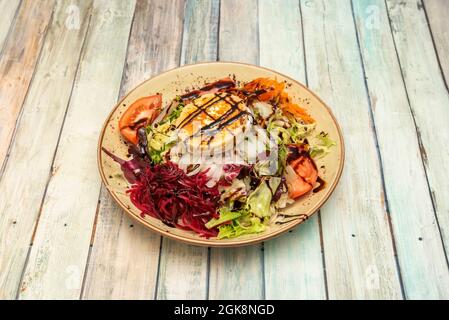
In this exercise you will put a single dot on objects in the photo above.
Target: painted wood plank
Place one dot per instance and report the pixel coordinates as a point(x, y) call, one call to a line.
point(200, 31)
point(183, 268)
point(429, 100)
point(125, 256)
point(420, 251)
point(357, 241)
point(438, 13)
point(293, 262)
point(17, 63)
point(28, 168)
point(8, 8)
point(57, 259)
point(238, 39)
point(237, 273)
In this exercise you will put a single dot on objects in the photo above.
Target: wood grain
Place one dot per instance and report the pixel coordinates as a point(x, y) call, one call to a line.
point(27, 171)
point(58, 256)
point(17, 63)
point(427, 92)
point(236, 273)
point(8, 8)
point(437, 14)
point(239, 31)
point(200, 31)
point(183, 271)
point(382, 66)
point(183, 268)
point(358, 247)
point(124, 257)
point(293, 262)
point(420, 252)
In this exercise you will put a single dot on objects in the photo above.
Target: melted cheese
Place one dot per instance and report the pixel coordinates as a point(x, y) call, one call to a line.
point(213, 120)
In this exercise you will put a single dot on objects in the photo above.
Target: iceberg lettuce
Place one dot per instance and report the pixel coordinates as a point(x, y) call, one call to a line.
point(240, 227)
point(226, 215)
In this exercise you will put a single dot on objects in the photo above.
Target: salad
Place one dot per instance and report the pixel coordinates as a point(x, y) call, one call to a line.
point(221, 160)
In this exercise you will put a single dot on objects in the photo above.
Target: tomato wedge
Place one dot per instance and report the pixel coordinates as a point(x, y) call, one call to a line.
point(139, 114)
point(295, 184)
point(301, 174)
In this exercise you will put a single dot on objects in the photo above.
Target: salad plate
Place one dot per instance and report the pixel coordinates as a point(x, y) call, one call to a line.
point(220, 154)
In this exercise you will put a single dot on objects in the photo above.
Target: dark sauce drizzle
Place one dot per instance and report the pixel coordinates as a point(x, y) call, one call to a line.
point(321, 186)
point(219, 123)
point(218, 85)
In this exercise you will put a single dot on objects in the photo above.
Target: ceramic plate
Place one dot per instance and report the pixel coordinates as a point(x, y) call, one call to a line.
point(176, 82)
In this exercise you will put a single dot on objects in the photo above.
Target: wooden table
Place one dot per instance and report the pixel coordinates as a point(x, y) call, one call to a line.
point(383, 68)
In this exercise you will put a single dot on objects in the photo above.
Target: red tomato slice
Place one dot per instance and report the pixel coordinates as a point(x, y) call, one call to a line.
point(300, 176)
point(139, 114)
point(306, 169)
point(295, 184)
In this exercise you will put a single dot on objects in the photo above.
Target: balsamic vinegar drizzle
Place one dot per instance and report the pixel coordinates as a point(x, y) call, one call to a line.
point(219, 123)
point(294, 217)
point(200, 109)
point(321, 186)
point(218, 85)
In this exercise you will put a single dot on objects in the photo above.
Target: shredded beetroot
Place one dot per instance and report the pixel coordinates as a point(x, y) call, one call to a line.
point(166, 192)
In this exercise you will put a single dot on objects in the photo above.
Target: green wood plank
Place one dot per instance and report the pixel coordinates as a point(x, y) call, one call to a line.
point(293, 262)
point(427, 92)
point(57, 259)
point(183, 268)
point(236, 273)
point(357, 241)
point(125, 256)
point(200, 31)
point(420, 251)
point(22, 185)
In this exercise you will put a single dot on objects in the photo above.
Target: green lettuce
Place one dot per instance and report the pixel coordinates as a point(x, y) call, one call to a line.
point(161, 136)
point(247, 225)
point(250, 219)
point(259, 201)
point(287, 129)
point(321, 145)
point(226, 215)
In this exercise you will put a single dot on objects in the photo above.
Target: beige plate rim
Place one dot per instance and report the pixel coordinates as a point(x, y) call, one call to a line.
point(206, 242)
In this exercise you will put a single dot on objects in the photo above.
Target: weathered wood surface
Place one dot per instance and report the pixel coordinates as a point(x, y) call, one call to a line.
point(124, 257)
point(358, 248)
point(437, 14)
point(420, 251)
point(42, 118)
point(425, 87)
point(20, 54)
point(58, 257)
point(8, 8)
point(382, 66)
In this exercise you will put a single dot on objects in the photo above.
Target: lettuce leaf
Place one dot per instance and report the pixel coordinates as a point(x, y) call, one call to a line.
point(259, 201)
point(240, 227)
point(250, 219)
point(161, 136)
point(225, 215)
point(288, 129)
point(321, 145)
